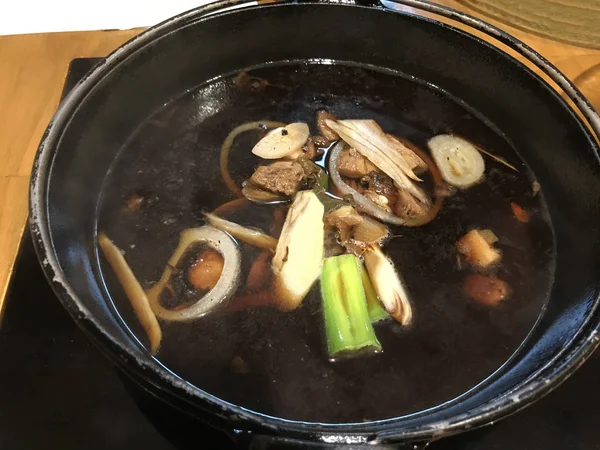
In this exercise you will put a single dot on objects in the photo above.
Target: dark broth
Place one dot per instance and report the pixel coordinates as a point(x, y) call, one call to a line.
point(454, 343)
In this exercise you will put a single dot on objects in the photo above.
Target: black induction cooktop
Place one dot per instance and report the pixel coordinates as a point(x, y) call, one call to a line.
point(57, 391)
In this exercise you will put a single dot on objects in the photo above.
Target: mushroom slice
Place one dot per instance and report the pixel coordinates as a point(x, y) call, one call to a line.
point(223, 290)
point(299, 253)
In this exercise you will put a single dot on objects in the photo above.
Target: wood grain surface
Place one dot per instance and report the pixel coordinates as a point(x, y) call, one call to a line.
point(575, 22)
point(32, 72)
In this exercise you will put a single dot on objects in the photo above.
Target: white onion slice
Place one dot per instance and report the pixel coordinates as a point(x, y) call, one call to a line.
point(460, 163)
point(223, 290)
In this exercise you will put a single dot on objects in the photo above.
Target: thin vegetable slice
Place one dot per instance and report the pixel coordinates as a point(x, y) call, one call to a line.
point(376, 311)
point(248, 235)
point(228, 142)
point(299, 253)
point(223, 290)
point(133, 290)
point(347, 323)
point(282, 141)
point(459, 161)
point(388, 285)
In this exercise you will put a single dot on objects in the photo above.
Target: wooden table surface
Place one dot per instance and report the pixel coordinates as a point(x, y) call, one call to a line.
point(33, 69)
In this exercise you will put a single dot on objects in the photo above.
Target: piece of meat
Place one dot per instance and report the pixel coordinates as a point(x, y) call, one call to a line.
point(379, 199)
point(406, 149)
point(325, 131)
point(310, 150)
point(321, 141)
point(407, 206)
point(486, 289)
point(476, 250)
point(380, 183)
point(380, 189)
point(352, 164)
point(343, 219)
point(281, 177)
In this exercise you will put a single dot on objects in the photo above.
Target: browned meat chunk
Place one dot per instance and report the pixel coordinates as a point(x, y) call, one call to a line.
point(485, 289)
point(379, 199)
point(282, 176)
point(407, 150)
point(343, 219)
point(476, 250)
point(325, 131)
point(310, 150)
point(352, 164)
point(380, 189)
point(321, 141)
point(407, 206)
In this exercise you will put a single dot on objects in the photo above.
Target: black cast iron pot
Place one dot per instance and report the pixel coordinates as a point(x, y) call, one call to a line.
point(96, 119)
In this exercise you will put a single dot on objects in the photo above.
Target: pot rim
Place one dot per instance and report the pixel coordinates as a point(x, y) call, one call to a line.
point(543, 381)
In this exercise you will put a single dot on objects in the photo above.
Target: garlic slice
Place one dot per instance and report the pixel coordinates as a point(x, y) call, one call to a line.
point(282, 141)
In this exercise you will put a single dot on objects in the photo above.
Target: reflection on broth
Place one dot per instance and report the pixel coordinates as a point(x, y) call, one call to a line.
point(344, 260)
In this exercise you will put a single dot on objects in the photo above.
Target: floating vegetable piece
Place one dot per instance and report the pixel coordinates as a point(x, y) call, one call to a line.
point(247, 235)
point(282, 141)
point(347, 323)
point(497, 159)
point(459, 161)
point(376, 311)
point(476, 249)
point(299, 253)
point(133, 290)
point(409, 153)
point(370, 231)
point(260, 125)
point(486, 289)
point(520, 214)
point(223, 290)
point(261, 196)
point(388, 285)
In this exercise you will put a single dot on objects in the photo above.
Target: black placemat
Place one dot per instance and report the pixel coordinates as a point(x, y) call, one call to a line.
point(57, 391)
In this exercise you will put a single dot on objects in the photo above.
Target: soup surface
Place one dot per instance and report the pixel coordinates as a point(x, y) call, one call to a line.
point(276, 362)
